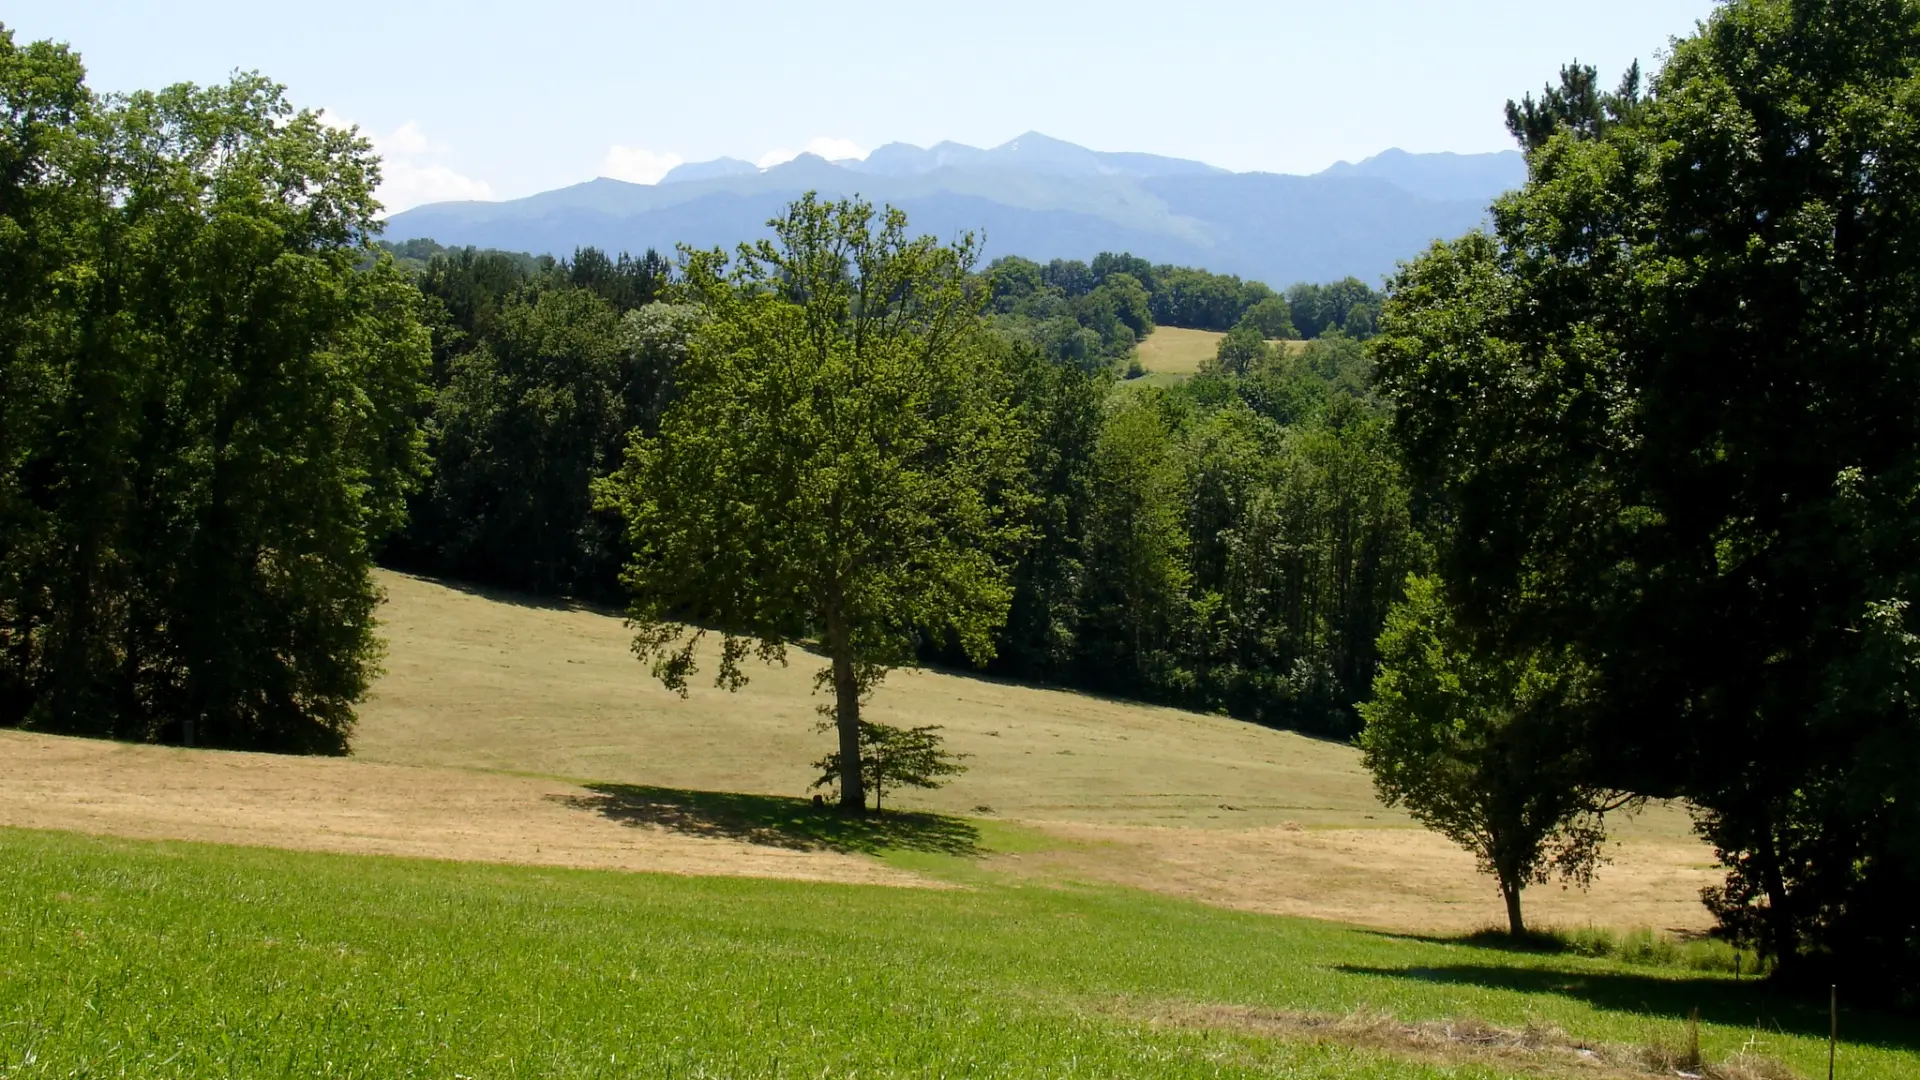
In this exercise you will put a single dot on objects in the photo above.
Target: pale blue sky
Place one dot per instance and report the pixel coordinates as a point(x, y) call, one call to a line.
point(481, 99)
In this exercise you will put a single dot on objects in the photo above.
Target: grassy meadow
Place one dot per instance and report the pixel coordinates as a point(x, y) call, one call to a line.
point(1193, 805)
point(1111, 890)
point(1169, 350)
point(1171, 354)
point(128, 958)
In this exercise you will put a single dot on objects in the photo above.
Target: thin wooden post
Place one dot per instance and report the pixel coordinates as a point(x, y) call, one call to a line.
point(1833, 1024)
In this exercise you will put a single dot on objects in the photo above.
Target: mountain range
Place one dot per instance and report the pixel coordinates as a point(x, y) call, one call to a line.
point(1034, 196)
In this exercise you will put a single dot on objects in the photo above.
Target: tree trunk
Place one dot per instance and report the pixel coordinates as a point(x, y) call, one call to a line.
point(846, 716)
point(1510, 892)
point(1779, 930)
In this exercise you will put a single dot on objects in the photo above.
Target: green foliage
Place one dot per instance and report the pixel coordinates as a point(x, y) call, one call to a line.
point(1479, 750)
point(523, 425)
point(1348, 306)
point(892, 757)
point(1062, 407)
point(1095, 314)
point(210, 386)
point(1577, 106)
point(541, 369)
point(837, 463)
point(1668, 416)
point(1243, 349)
point(1134, 593)
point(1271, 318)
point(1207, 546)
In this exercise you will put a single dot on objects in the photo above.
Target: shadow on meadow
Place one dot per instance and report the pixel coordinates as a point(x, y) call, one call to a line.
point(1723, 1001)
point(778, 821)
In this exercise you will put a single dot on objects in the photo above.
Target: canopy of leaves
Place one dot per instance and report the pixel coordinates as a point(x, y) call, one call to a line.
point(1668, 416)
point(210, 386)
point(838, 461)
point(1480, 751)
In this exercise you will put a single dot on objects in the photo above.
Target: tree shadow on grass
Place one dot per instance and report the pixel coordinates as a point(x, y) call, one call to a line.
point(1723, 1001)
point(778, 821)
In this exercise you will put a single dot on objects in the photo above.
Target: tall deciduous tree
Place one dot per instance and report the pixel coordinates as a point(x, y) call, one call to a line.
point(837, 463)
point(1670, 410)
point(211, 401)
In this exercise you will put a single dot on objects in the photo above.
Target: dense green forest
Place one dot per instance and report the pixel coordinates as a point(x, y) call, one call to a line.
point(1231, 544)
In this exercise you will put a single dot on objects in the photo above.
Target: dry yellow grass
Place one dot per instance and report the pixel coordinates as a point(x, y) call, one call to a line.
point(1200, 806)
point(499, 684)
point(495, 709)
point(331, 804)
point(1172, 351)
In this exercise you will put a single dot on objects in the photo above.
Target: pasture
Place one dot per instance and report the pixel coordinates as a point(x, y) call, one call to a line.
point(1113, 889)
point(513, 730)
point(1171, 354)
point(167, 959)
point(1170, 350)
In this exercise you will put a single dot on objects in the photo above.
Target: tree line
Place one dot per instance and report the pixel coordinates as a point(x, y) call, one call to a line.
point(1230, 545)
point(1096, 313)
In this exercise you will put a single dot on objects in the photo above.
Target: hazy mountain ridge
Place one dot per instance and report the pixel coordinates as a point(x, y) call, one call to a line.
point(1034, 196)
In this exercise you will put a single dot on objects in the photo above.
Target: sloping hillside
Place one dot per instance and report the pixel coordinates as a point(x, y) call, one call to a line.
point(515, 731)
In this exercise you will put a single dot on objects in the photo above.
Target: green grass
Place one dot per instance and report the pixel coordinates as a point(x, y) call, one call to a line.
point(1640, 947)
point(122, 958)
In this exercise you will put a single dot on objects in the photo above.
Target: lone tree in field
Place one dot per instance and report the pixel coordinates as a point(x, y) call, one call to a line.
point(1475, 750)
point(838, 464)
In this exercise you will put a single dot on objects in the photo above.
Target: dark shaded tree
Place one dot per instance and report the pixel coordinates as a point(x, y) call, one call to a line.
point(212, 384)
point(1669, 413)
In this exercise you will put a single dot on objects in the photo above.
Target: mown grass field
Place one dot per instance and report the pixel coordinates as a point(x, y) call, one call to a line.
point(1170, 350)
point(1170, 354)
point(513, 731)
point(125, 958)
point(1199, 806)
point(1097, 897)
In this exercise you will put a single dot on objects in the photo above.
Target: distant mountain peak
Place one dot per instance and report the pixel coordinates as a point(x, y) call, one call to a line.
point(709, 170)
point(1445, 175)
point(1036, 139)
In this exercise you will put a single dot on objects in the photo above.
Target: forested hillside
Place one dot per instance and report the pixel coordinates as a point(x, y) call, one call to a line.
point(1230, 544)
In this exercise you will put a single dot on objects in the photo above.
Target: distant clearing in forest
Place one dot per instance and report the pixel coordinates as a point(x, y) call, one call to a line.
point(1169, 350)
point(497, 712)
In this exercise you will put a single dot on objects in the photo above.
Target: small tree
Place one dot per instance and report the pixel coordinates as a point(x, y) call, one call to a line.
point(1272, 318)
point(838, 464)
point(894, 757)
point(1479, 750)
point(1242, 350)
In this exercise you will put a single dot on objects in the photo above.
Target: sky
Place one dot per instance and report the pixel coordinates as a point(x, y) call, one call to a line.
point(482, 100)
